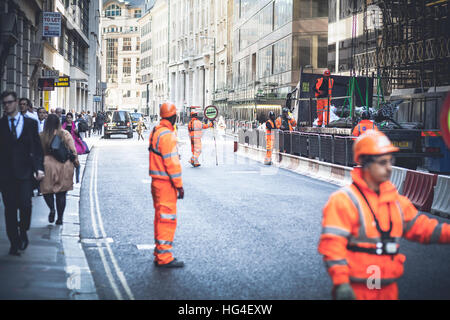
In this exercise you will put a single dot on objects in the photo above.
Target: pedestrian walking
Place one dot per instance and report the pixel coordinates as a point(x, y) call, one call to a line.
point(94, 121)
point(363, 223)
point(26, 109)
point(139, 129)
point(59, 172)
point(100, 122)
point(21, 159)
point(42, 115)
point(90, 122)
point(167, 186)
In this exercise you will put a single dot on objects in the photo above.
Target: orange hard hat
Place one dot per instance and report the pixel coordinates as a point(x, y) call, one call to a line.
point(167, 110)
point(372, 142)
point(193, 113)
point(327, 73)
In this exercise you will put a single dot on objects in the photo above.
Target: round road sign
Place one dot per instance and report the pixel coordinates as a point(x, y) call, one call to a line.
point(211, 112)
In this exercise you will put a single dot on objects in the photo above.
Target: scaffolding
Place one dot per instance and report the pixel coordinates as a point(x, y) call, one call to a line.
point(406, 43)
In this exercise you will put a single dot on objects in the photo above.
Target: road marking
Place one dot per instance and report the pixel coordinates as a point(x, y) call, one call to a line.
point(119, 272)
point(244, 171)
point(145, 246)
point(111, 279)
point(95, 241)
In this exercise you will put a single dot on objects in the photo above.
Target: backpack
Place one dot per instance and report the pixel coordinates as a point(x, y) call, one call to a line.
point(82, 125)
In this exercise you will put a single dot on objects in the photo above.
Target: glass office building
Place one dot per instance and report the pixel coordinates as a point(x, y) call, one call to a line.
point(272, 41)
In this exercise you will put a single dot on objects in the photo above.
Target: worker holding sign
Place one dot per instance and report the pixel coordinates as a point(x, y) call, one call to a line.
point(195, 128)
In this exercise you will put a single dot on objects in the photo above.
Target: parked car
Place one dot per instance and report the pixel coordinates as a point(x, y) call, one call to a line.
point(118, 122)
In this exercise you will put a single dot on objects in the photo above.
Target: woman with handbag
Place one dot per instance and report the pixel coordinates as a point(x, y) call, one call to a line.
point(60, 157)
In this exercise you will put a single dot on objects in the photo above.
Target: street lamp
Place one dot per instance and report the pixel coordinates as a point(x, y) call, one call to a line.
point(214, 78)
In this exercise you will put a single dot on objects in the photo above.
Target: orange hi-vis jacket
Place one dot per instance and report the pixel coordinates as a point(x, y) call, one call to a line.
point(195, 127)
point(319, 84)
point(164, 160)
point(292, 123)
point(362, 126)
point(348, 225)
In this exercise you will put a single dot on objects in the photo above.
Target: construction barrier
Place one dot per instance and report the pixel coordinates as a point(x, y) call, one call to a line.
point(398, 178)
point(419, 188)
point(441, 199)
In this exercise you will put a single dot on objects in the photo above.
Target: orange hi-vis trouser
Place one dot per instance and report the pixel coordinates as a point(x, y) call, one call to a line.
point(269, 147)
point(322, 111)
point(165, 202)
point(196, 148)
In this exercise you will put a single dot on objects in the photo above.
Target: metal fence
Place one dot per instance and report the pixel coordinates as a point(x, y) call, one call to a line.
point(327, 148)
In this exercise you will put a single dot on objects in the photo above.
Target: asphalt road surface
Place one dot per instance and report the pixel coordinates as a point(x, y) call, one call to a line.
point(245, 231)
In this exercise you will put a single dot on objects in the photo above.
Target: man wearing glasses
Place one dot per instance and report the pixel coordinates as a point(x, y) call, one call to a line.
point(21, 159)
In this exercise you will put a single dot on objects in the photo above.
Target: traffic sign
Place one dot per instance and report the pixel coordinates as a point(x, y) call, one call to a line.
point(211, 112)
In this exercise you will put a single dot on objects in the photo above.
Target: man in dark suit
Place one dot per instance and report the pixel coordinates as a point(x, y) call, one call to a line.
point(21, 158)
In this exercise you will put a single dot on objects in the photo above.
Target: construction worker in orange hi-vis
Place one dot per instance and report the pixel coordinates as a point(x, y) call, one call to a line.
point(285, 121)
point(270, 127)
point(363, 222)
point(323, 89)
point(364, 125)
point(195, 128)
point(167, 185)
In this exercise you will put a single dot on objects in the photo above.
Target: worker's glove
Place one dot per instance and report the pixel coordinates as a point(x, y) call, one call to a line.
point(344, 292)
point(180, 193)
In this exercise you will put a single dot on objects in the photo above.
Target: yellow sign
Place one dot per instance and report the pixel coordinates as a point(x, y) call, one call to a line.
point(62, 82)
point(46, 100)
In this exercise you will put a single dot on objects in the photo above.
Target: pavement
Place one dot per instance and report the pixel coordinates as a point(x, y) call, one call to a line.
point(53, 267)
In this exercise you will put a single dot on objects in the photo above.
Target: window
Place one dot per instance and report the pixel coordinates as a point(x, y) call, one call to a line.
point(126, 44)
point(314, 8)
point(322, 52)
point(126, 68)
point(282, 12)
point(266, 20)
point(282, 56)
point(111, 60)
point(137, 13)
point(265, 62)
point(138, 44)
point(113, 11)
point(138, 65)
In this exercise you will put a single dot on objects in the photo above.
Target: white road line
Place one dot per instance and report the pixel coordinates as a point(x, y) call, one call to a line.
point(121, 276)
point(111, 279)
point(145, 246)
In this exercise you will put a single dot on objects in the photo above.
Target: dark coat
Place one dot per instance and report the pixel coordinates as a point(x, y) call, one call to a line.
point(19, 159)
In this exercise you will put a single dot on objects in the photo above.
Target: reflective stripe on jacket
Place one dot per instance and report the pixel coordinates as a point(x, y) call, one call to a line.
point(291, 122)
point(319, 84)
point(195, 127)
point(347, 220)
point(164, 160)
point(362, 126)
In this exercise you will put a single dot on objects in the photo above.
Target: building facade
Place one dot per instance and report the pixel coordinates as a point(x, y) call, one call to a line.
point(29, 55)
point(121, 46)
point(160, 36)
point(272, 41)
point(145, 25)
point(198, 52)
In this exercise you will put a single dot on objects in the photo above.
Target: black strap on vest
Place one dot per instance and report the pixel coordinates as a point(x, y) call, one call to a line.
point(384, 234)
point(150, 148)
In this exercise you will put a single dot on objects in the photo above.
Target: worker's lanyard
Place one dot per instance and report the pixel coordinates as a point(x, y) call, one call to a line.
point(384, 234)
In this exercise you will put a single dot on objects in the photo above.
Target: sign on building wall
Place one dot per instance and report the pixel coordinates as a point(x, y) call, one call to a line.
point(62, 82)
point(46, 84)
point(51, 24)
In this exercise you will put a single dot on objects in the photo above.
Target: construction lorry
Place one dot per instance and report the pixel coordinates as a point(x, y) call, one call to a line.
point(409, 117)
